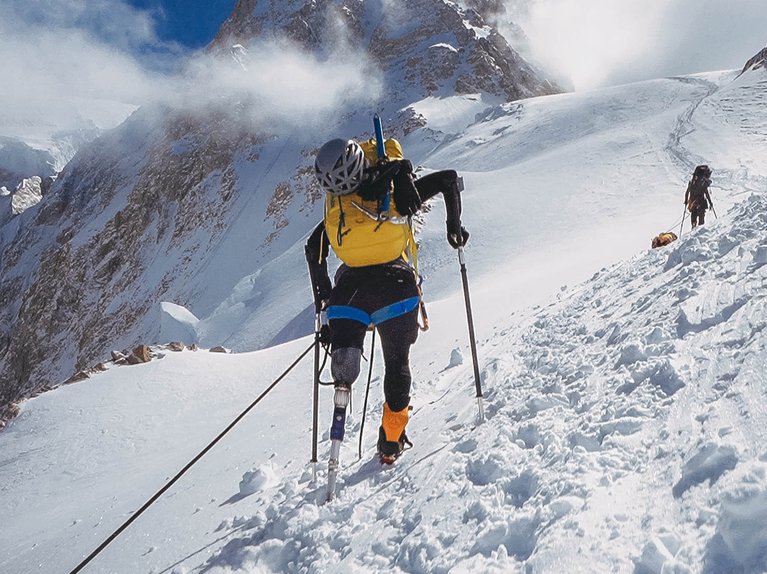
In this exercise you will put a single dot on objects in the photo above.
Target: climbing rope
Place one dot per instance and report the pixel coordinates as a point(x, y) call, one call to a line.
point(677, 222)
point(189, 465)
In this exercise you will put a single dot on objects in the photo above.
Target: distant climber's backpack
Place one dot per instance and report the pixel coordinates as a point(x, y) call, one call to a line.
point(360, 233)
point(702, 171)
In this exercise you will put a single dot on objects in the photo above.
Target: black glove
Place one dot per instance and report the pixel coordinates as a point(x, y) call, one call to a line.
point(406, 196)
point(456, 234)
point(457, 238)
point(377, 179)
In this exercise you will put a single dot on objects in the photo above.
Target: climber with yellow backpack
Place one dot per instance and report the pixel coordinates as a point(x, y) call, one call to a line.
point(371, 197)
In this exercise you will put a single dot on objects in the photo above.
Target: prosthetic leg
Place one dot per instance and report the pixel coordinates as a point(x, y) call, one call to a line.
point(337, 428)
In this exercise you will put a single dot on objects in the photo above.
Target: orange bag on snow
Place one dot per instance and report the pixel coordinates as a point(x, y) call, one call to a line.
point(663, 239)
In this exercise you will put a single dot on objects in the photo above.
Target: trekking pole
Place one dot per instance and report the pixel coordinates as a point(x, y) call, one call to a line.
point(316, 398)
point(472, 338)
point(684, 215)
point(714, 210)
point(367, 392)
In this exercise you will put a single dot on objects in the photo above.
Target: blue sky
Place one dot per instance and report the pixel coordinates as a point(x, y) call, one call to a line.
point(192, 23)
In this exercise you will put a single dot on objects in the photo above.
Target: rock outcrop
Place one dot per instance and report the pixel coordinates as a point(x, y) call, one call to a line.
point(757, 62)
point(423, 47)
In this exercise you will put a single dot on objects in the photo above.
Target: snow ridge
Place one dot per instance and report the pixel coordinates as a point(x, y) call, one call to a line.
point(629, 406)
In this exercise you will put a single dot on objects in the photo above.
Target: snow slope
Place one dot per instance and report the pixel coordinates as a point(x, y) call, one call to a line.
point(625, 418)
point(558, 171)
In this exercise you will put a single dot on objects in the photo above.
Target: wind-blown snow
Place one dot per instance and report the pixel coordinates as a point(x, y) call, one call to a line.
point(626, 426)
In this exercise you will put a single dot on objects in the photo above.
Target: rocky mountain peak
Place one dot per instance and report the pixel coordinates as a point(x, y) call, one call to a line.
point(421, 47)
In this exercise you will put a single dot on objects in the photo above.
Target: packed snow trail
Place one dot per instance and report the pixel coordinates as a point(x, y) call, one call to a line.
point(627, 419)
point(570, 456)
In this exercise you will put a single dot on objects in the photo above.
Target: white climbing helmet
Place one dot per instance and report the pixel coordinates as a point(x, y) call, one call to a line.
point(339, 166)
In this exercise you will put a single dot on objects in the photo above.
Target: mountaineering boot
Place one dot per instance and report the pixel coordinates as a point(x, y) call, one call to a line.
point(389, 451)
point(391, 434)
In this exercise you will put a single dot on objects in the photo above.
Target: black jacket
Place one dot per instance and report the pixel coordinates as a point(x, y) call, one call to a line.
point(697, 195)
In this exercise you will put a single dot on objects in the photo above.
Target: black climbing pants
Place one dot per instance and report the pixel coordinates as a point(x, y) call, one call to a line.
point(697, 216)
point(370, 289)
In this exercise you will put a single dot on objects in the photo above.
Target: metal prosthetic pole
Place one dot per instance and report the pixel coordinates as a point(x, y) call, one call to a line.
point(341, 401)
point(316, 397)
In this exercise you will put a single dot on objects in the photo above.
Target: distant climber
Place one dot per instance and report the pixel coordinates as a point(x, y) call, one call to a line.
point(697, 198)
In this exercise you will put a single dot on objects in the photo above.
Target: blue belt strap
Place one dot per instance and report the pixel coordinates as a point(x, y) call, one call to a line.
point(348, 312)
point(395, 310)
point(383, 314)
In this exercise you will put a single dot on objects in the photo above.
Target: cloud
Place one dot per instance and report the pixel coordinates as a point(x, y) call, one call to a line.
point(602, 42)
point(108, 22)
point(59, 56)
point(589, 40)
point(280, 84)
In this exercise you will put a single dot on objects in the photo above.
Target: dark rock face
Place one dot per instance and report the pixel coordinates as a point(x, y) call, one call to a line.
point(757, 62)
point(74, 280)
point(436, 46)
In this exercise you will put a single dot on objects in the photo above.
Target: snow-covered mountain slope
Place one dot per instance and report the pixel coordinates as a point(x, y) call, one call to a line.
point(545, 178)
point(625, 432)
point(625, 429)
point(183, 204)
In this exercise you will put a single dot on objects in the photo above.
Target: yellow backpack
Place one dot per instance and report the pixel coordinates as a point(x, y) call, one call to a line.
point(360, 236)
